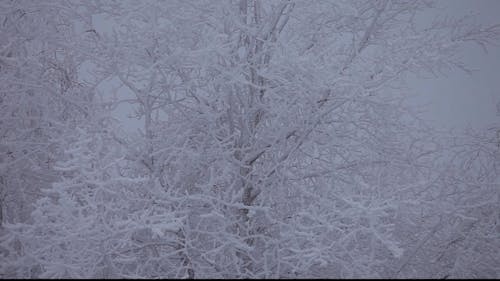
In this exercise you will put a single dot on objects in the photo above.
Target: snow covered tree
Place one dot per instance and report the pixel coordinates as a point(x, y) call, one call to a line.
point(274, 145)
point(39, 96)
point(246, 102)
point(94, 222)
point(452, 232)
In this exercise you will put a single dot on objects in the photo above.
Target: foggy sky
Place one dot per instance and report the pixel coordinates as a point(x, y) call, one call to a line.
point(460, 100)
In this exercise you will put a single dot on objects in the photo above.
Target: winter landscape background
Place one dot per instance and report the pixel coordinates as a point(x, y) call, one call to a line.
point(249, 139)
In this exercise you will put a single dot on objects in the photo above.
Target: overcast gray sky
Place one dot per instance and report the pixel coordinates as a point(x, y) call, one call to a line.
point(461, 100)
